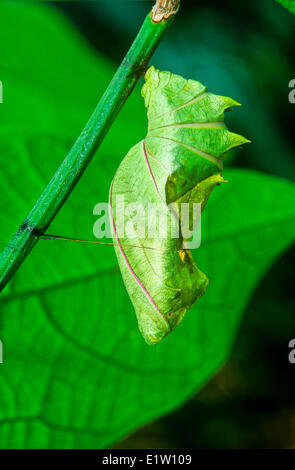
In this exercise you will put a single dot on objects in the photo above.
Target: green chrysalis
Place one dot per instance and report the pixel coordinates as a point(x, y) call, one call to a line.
point(179, 161)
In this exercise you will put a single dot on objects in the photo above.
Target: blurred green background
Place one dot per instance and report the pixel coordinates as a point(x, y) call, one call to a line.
point(238, 49)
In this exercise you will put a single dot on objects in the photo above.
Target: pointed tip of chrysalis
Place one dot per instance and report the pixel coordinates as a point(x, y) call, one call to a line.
point(241, 140)
point(151, 80)
point(229, 103)
point(236, 140)
point(151, 71)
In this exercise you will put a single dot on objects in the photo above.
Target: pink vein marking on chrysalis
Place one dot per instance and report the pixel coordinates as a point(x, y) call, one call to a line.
point(128, 264)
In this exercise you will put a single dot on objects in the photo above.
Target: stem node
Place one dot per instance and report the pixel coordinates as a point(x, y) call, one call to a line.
point(164, 9)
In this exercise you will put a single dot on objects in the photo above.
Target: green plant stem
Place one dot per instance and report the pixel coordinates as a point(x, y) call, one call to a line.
point(72, 168)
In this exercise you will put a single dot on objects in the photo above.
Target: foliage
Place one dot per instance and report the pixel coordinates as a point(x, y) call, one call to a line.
point(76, 373)
point(290, 4)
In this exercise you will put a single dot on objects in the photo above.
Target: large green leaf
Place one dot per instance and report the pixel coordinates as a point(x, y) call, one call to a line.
point(76, 372)
point(290, 4)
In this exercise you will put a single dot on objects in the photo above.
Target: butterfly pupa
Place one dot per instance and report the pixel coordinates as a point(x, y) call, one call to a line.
point(179, 161)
